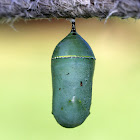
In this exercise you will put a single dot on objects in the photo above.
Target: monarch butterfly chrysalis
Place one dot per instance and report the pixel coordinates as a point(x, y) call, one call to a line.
point(72, 68)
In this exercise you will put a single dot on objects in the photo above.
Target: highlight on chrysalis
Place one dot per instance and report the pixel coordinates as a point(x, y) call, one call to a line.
point(72, 67)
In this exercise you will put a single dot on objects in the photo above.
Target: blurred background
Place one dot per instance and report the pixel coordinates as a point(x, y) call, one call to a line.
point(26, 84)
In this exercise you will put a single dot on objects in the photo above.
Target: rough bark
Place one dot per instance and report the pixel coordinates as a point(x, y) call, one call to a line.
point(28, 9)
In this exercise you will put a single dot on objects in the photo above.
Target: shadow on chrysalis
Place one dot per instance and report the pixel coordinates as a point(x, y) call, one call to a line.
point(72, 67)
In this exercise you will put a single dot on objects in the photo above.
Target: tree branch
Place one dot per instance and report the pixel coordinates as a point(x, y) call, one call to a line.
point(28, 9)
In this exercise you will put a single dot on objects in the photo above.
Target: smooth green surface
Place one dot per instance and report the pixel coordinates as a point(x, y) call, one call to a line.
point(72, 90)
point(72, 80)
point(73, 45)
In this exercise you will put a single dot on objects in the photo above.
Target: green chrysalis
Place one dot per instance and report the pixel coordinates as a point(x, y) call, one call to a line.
point(72, 68)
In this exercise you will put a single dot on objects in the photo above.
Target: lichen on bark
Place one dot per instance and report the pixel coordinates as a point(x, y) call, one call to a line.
point(11, 10)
